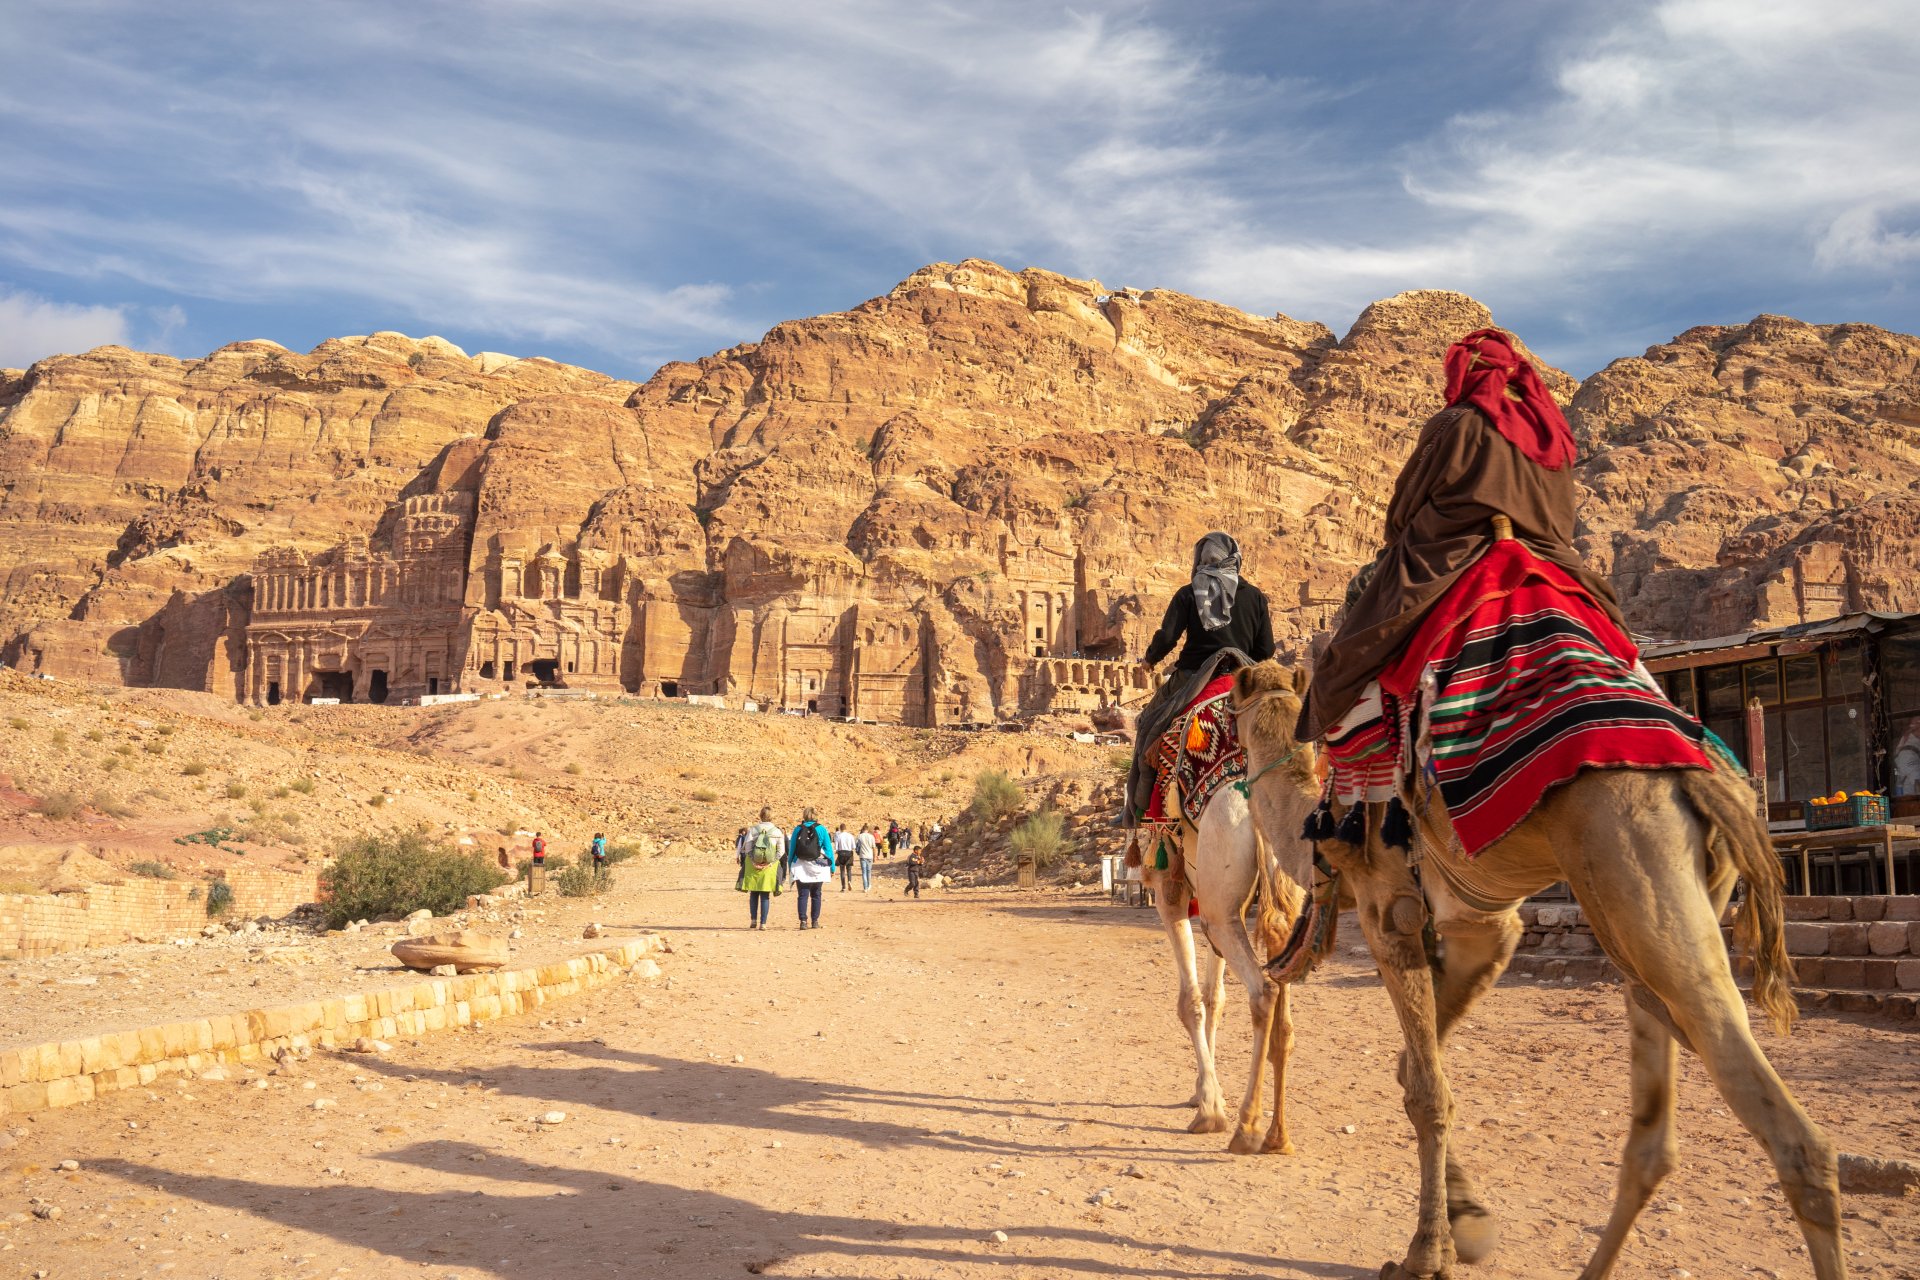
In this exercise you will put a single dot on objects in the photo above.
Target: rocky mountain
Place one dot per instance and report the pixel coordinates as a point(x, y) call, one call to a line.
point(961, 501)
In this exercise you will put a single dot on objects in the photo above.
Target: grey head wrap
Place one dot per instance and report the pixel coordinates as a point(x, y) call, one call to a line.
point(1216, 578)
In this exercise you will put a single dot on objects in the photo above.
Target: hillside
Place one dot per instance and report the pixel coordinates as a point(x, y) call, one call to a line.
point(962, 501)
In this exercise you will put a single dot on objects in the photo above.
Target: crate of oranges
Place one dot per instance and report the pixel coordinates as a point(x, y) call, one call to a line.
point(1861, 809)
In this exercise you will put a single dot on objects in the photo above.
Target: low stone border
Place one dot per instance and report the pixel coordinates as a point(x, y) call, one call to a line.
point(66, 1072)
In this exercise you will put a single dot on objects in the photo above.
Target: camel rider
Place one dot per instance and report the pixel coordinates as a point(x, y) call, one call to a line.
point(1501, 446)
point(1221, 617)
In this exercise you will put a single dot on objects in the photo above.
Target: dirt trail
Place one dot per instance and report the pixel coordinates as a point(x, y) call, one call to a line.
point(878, 1098)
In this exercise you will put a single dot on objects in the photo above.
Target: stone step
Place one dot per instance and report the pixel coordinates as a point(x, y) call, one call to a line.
point(1885, 938)
point(1901, 907)
point(1817, 986)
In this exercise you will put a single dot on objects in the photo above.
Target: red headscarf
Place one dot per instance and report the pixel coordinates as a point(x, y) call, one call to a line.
point(1484, 370)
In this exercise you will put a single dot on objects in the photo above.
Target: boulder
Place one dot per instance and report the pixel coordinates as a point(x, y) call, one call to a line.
point(467, 950)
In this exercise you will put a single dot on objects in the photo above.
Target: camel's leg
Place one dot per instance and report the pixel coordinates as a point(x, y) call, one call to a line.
point(1210, 1108)
point(1478, 947)
point(1279, 1049)
point(1237, 949)
point(1214, 984)
point(1640, 869)
point(1650, 1145)
point(1392, 915)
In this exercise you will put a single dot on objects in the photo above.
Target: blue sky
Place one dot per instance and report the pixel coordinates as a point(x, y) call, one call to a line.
point(616, 185)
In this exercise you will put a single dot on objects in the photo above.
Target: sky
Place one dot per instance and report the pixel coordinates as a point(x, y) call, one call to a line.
point(618, 185)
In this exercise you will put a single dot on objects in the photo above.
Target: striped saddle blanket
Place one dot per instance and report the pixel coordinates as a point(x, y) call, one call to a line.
point(1514, 683)
point(1201, 752)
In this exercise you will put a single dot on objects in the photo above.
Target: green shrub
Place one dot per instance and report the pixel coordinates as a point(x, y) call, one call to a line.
point(384, 877)
point(236, 790)
point(583, 881)
point(194, 768)
point(154, 871)
point(618, 853)
point(995, 795)
point(219, 898)
point(1039, 838)
point(60, 806)
point(303, 785)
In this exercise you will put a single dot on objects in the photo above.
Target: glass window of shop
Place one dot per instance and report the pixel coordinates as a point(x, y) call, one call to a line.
point(1900, 677)
point(1815, 712)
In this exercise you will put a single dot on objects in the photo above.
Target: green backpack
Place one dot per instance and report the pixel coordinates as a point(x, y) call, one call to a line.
point(766, 846)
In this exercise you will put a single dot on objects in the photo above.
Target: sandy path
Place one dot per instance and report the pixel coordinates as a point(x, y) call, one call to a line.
point(878, 1098)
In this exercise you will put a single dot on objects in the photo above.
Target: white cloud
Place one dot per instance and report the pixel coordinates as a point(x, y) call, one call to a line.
point(33, 328)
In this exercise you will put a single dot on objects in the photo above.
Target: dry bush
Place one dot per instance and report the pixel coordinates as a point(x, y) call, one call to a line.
point(193, 768)
point(59, 805)
point(113, 807)
point(236, 790)
point(1040, 838)
point(154, 870)
point(995, 795)
point(303, 785)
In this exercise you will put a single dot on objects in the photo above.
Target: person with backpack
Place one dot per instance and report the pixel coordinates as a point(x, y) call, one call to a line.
point(762, 849)
point(539, 849)
point(809, 865)
point(599, 851)
point(843, 845)
point(893, 837)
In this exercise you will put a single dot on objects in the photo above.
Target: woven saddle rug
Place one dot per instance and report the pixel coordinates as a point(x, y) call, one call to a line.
point(1201, 752)
point(1513, 684)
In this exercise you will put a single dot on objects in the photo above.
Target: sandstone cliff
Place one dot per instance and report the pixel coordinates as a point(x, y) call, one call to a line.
point(962, 500)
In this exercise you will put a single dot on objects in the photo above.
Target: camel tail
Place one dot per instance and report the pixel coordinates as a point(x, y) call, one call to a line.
point(1730, 815)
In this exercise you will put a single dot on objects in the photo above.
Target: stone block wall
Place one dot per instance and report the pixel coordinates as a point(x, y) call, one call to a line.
point(38, 1077)
point(42, 924)
point(1856, 955)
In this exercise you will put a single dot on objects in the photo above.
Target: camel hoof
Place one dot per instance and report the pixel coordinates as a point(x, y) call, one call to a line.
point(1277, 1147)
point(1244, 1143)
point(1394, 1271)
point(1475, 1234)
point(1204, 1123)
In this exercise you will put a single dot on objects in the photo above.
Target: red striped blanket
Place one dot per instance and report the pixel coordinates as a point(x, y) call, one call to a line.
point(1519, 681)
point(1201, 752)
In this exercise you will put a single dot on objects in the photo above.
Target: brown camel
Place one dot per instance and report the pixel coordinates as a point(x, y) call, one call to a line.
point(1651, 856)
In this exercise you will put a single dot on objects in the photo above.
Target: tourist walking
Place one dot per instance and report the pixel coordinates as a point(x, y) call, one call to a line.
point(809, 866)
point(599, 851)
point(866, 845)
point(914, 863)
point(539, 849)
point(893, 837)
point(843, 855)
point(762, 851)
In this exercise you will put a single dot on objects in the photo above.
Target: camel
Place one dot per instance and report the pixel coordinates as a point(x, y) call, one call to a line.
point(1651, 856)
point(1219, 863)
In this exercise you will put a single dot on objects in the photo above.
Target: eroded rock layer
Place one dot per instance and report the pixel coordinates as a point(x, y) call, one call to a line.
point(959, 502)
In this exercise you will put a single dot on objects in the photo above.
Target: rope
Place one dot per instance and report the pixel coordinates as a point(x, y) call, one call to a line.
point(1245, 785)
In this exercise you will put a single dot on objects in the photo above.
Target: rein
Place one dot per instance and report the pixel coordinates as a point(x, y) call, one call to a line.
point(1245, 785)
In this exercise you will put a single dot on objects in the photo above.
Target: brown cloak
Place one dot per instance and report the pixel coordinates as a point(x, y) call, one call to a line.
point(1462, 474)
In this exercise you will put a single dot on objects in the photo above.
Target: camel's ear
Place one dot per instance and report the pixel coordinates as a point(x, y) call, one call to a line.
point(1240, 682)
point(1301, 678)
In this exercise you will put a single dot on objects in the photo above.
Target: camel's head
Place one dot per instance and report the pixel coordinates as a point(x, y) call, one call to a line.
point(1268, 696)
